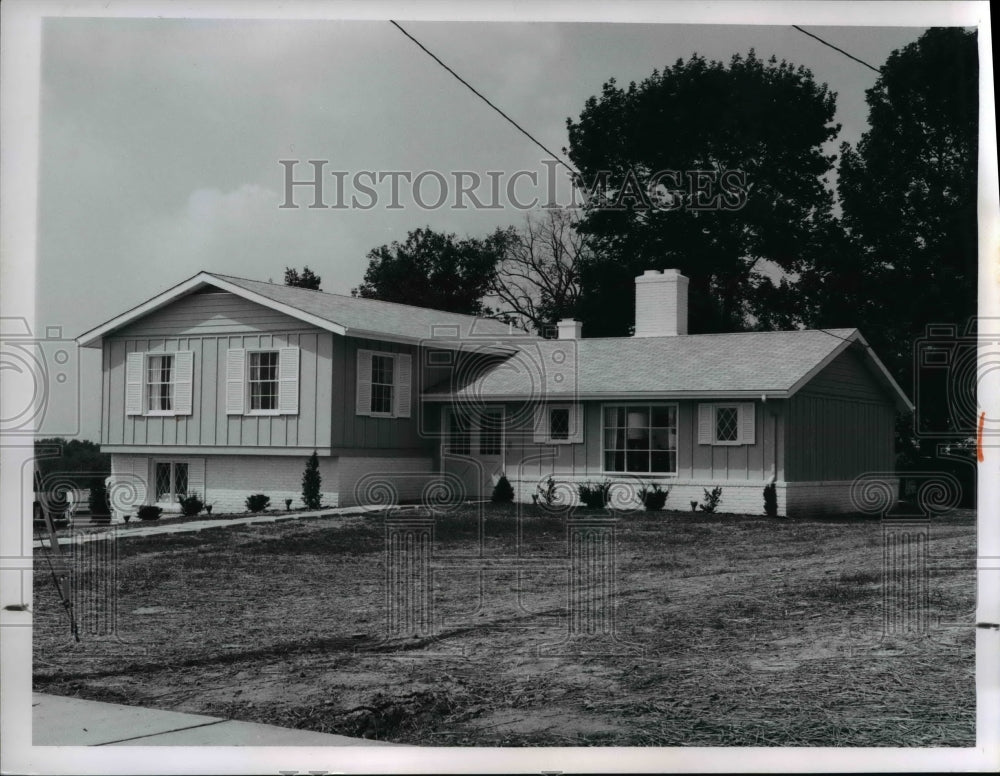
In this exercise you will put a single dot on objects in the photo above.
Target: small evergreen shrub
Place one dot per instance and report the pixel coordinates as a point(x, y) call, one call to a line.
point(770, 500)
point(503, 491)
point(98, 500)
point(654, 498)
point(694, 506)
point(712, 499)
point(595, 496)
point(149, 512)
point(311, 482)
point(258, 502)
point(191, 505)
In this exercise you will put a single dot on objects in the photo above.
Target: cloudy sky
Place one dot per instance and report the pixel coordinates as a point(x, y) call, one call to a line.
point(160, 139)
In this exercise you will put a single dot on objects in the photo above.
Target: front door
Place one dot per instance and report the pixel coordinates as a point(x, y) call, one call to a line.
point(473, 448)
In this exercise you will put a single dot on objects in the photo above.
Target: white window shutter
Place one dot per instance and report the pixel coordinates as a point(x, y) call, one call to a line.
point(134, 364)
point(236, 368)
point(364, 386)
point(403, 391)
point(542, 423)
point(576, 424)
point(196, 476)
point(183, 380)
point(748, 423)
point(706, 419)
point(288, 381)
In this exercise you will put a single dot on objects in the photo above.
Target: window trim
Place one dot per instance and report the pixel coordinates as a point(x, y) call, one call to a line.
point(392, 396)
point(173, 480)
point(574, 436)
point(146, 411)
point(716, 442)
point(248, 392)
point(677, 422)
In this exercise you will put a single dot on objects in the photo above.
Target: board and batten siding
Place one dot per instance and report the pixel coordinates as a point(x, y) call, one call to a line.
point(205, 313)
point(208, 424)
point(362, 432)
point(751, 463)
point(840, 424)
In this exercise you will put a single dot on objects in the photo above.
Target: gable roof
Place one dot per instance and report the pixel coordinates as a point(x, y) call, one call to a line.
point(340, 314)
point(739, 365)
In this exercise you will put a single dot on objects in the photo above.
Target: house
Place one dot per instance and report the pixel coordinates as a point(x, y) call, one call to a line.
point(223, 386)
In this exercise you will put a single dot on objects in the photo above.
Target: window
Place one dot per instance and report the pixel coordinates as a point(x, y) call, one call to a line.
point(384, 387)
point(559, 423)
point(171, 480)
point(262, 382)
point(640, 438)
point(160, 383)
point(263, 378)
point(726, 424)
point(491, 432)
point(382, 384)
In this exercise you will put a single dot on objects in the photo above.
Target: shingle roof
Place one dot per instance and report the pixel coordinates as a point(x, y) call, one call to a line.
point(370, 315)
point(747, 363)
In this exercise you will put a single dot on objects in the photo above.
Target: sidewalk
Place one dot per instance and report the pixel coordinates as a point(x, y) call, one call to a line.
point(200, 525)
point(61, 721)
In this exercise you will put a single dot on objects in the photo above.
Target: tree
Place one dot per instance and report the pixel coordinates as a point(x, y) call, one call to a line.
point(908, 192)
point(433, 269)
point(308, 278)
point(312, 497)
point(537, 280)
point(701, 168)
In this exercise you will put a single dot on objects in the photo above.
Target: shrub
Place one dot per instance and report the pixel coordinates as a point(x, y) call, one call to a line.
point(595, 496)
point(654, 498)
point(546, 493)
point(712, 499)
point(149, 512)
point(694, 506)
point(98, 501)
point(258, 502)
point(503, 492)
point(191, 505)
point(770, 500)
point(311, 481)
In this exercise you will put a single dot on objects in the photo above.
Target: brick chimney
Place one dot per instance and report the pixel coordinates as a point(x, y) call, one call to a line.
point(661, 303)
point(570, 329)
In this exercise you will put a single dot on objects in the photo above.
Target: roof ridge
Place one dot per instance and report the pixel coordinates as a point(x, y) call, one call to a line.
point(722, 334)
point(354, 298)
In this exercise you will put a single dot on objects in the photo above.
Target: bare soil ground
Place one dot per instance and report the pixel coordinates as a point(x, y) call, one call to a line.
point(730, 631)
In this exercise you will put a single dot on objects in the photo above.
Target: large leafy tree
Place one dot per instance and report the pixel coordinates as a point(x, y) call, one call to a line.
point(908, 192)
point(433, 269)
point(763, 123)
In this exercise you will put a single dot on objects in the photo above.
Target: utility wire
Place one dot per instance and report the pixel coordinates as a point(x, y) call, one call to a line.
point(849, 56)
point(480, 95)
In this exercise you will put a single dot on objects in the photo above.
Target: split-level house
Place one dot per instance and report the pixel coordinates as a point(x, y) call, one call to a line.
point(224, 386)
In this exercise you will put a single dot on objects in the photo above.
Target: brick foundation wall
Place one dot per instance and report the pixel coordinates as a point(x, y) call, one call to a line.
point(229, 479)
point(384, 480)
point(738, 497)
point(812, 499)
point(224, 481)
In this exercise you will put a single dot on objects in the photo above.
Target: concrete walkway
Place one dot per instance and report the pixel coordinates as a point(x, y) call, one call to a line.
point(153, 528)
point(61, 721)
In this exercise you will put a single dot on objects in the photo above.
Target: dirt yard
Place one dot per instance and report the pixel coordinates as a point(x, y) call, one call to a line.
point(730, 631)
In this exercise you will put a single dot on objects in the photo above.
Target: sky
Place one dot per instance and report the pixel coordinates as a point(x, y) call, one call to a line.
point(160, 139)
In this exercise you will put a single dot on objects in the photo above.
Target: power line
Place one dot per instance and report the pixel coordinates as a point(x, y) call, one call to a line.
point(479, 94)
point(849, 56)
